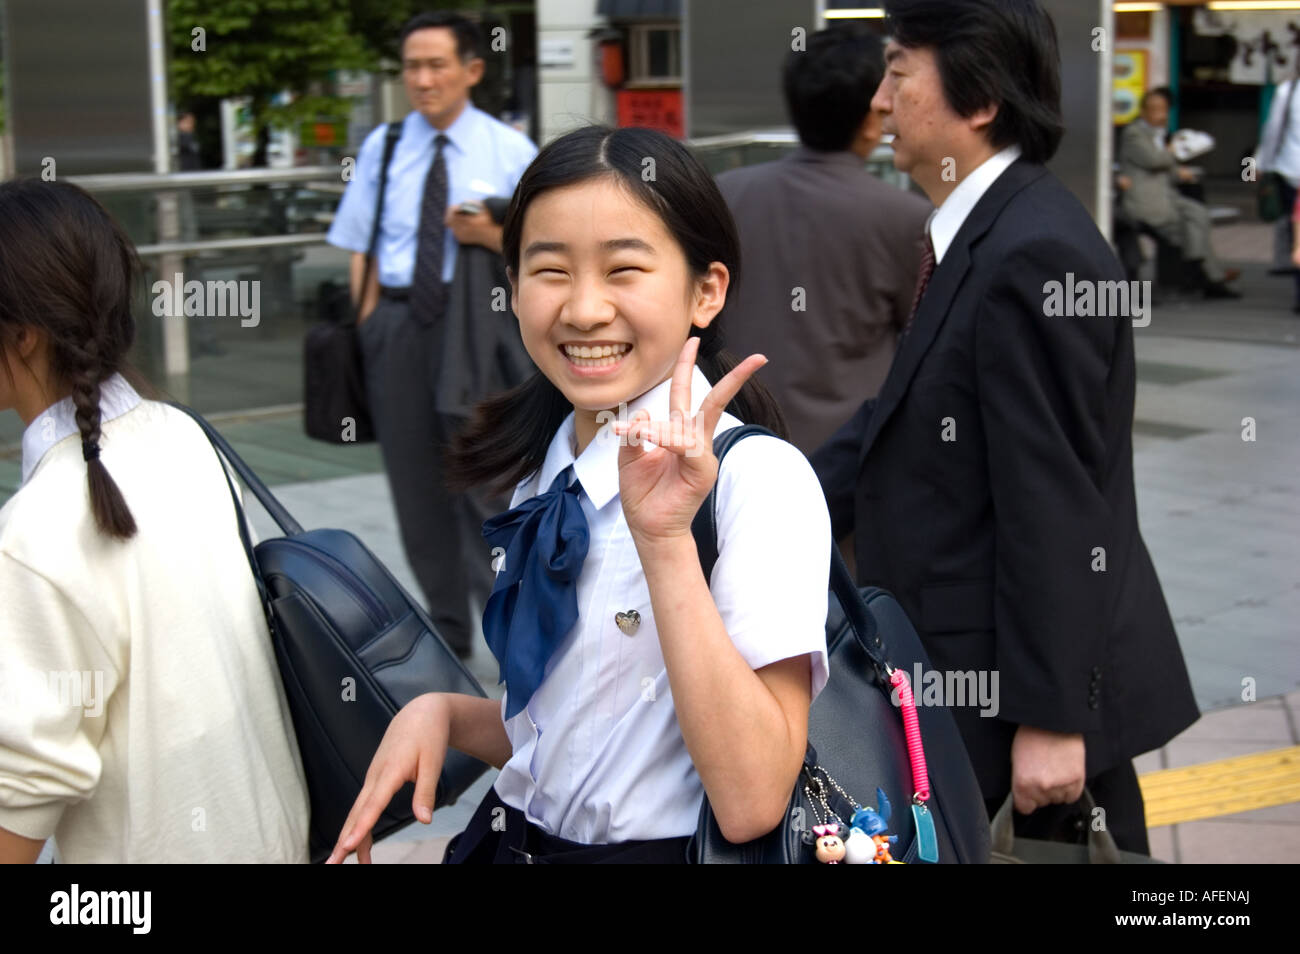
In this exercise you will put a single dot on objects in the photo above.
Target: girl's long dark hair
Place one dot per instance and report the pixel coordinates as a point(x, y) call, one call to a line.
point(66, 269)
point(508, 435)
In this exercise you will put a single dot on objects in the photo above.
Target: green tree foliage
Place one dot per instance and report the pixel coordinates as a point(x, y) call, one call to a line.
point(379, 22)
point(260, 48)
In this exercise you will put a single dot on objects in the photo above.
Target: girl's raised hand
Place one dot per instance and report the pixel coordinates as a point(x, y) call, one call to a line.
point(413, 750)
point(662, 487)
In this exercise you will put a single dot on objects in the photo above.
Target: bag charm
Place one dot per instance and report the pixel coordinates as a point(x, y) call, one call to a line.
point(830, 848)
point(867, 842)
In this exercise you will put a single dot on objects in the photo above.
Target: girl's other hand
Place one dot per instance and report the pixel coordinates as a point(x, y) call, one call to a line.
point(662, 487)
point(413, 750)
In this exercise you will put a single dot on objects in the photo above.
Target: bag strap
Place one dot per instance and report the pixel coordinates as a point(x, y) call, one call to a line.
point(283, 519)
point(705, 530)
point(225, 453)
point(393, 134)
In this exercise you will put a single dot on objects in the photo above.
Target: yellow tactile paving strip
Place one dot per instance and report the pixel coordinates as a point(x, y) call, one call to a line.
point(1224, 787)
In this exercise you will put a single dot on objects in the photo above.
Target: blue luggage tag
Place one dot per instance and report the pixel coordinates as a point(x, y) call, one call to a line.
point(927, 843)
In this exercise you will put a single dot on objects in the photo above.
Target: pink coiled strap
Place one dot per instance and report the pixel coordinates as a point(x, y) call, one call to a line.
point(912, 730)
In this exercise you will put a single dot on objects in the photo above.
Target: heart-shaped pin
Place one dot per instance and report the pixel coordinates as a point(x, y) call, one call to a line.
point(628, 622)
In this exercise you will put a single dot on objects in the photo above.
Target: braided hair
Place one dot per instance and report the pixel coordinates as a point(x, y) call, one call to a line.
point(66, 269)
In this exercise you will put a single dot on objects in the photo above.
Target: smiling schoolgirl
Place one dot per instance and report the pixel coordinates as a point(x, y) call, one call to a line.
point(634, 686)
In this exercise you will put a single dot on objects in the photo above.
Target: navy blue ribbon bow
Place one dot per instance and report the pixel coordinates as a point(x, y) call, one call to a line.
point(534, 601)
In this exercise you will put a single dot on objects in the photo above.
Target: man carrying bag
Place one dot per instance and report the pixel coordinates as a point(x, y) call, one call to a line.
point(449, 159)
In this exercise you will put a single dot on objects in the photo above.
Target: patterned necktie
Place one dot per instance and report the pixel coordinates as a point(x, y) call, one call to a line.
point(534, 601)
point(922, 283)
point(427, 291)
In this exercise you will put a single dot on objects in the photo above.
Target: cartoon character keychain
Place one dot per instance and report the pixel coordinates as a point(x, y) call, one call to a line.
point(868, 837)
point(868, 842)
point(830, 848)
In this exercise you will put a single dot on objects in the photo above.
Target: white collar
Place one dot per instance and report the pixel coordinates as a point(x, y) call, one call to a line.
point(947, 220)
point(58, 421)
point(458, 133)
point(597, 467)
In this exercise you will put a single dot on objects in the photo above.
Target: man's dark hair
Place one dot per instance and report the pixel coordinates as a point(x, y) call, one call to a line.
point(992, 51)
point(1164, 92)
point(469, 38)
point(828, 86)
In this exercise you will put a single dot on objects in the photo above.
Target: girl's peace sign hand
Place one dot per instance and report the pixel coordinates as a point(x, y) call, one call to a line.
point(662, 487)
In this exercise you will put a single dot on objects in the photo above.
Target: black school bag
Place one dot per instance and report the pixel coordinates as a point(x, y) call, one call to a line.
point(855, 732)
point(353, 648)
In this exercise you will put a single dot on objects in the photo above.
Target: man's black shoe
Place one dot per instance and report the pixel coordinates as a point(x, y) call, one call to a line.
point(1220, 290)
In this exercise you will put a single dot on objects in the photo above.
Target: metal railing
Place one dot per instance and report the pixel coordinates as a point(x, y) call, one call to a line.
point(265, 220)
point(153, 181)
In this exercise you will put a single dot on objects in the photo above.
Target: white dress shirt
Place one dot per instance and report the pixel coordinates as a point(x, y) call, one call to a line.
point(484, 158)
point(947, 220)
point(598, 755)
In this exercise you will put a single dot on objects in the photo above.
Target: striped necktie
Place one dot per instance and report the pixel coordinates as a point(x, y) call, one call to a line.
point(427, 290)
point(922, 283)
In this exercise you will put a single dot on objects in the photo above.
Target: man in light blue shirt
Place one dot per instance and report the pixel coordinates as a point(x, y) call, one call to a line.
point(480, 158)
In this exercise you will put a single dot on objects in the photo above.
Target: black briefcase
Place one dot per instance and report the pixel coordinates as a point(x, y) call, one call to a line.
point(335, 407)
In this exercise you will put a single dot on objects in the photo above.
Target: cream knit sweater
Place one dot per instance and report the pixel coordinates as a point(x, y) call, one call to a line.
point(141, 713)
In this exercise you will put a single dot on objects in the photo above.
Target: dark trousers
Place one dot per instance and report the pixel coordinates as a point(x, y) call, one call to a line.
point(440, 530)
point(502, 835)
point(1115, 790)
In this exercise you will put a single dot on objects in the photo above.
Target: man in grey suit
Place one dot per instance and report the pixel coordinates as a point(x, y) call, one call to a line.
point(830, 253)
point(1152, 198)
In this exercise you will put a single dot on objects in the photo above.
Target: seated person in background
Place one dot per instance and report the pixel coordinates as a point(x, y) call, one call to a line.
point(1147, 161)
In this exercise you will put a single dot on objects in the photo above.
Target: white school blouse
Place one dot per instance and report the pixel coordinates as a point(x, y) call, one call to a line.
point(142, 717)
point(598, 756)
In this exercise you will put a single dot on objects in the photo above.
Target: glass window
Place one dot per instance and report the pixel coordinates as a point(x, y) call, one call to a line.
point(655, 54)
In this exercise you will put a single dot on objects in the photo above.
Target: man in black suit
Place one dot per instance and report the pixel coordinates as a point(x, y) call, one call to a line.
point(991, 483)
